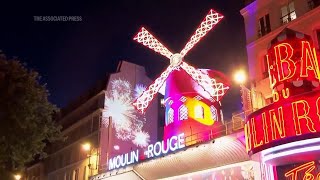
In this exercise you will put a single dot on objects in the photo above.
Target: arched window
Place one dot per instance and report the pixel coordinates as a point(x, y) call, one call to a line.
point(183, 112)
point(213, 111)
point(199, 112)
point(170, 116)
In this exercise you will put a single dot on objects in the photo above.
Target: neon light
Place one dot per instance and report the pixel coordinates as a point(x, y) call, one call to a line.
point(309, 61)
point(254, 135)
point(293, 67)
point(211, 19)
point(265, 128)
point(153, 150)
point(148, 40)
point(277, 123)
point(215, 89)
point(123, 160)
point(288, 63)
point(293, 174)
point(290, 145)
point(291, 152)
point(295, 116)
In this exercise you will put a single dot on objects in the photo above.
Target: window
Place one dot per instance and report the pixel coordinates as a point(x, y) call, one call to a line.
point(213, 111)
point(264, 25)
point(183, 112)
point(313, 4)
point(170, 116)
point(199, 112)
point(288, 13)
point(265, 71)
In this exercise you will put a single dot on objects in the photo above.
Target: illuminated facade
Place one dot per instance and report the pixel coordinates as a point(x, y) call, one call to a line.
point(86, 121)
point(194, 143)
point(282, 132)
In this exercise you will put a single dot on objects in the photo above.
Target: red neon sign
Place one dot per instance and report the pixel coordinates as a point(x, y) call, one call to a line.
point(294, 77)
point(296, 116)
point(305, 171)
point(292, 59)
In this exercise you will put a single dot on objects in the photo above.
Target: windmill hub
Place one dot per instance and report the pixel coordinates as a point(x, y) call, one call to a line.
point(176, 59)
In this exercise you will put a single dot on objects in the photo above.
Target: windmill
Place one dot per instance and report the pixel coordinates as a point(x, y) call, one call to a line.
point(215, 89)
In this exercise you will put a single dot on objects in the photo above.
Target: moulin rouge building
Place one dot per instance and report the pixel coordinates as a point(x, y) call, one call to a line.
point(193, 141)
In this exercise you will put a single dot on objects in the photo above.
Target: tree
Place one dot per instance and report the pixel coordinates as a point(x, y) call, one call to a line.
point(26, 116)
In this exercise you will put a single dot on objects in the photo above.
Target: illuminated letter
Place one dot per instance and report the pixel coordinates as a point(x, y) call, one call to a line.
point(254, 133)
point(294, 172)
point(318, 108)
point(297, 117)
point(150, 151)
point(248, 136)
point(164, 151)
point(181, 141)
point(285, 93)
point(157, 150)
point(118, 161)
point(275, 96)
point(265, 128)
point(308, 61)
point(277, 123)
point(135, 156)
point(283, 53)
point(112, 163)
point(273, 72)
point(175, 147)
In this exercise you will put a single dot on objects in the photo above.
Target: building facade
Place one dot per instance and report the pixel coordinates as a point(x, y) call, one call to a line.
point(264, 20)
point(282, 132)
point(84, 122)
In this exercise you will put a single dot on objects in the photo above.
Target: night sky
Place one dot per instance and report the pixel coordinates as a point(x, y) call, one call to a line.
point(72, 56)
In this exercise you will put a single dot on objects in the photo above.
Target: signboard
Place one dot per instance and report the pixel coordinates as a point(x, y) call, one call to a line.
point(308, 170)
point(294, 77)
point(153, 150)
point(279, 122)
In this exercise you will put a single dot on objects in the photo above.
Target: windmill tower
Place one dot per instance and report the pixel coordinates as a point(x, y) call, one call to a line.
point(191, 95)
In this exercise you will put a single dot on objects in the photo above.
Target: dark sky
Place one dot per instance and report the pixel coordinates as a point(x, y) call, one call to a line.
point(72, 56)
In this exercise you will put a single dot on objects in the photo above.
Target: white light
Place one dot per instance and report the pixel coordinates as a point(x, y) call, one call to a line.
point(141, 139)
point(240, 77)
point(86, 146)
point(138, 90)
point(116, 147)
point(291, 152)
point(17, 176)
point(290, 145)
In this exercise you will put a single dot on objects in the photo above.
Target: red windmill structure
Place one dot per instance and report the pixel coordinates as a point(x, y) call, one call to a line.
point(180, 79)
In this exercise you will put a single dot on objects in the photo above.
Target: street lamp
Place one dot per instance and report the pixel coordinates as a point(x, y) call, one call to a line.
point(86, 147)
point(17, 176)
point(240, 77)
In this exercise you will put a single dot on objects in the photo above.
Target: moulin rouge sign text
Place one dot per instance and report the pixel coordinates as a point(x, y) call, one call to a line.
point(153, 150)
point(292, 115)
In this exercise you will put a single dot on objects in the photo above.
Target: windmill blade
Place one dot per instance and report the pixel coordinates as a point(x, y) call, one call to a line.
point(215, 89)
point(143, 101)
point(147, 39)
point(211, 19)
